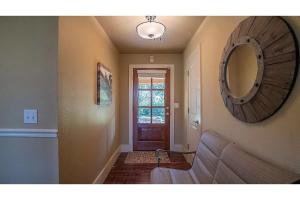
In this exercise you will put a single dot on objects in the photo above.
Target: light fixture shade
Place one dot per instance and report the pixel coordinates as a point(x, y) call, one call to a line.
point(150, 30)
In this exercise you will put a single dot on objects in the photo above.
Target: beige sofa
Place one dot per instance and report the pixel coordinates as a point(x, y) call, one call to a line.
point(221, 161)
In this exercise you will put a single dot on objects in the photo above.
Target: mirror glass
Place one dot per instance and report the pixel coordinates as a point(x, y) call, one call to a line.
point(241, 70)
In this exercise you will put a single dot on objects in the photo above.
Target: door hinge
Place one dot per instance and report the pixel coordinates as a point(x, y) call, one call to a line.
point(188, 110)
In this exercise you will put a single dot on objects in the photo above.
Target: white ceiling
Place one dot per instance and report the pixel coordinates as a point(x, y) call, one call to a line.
point(122, 31)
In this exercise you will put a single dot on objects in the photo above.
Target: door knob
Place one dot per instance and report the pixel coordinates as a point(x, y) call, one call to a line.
point(196, 122)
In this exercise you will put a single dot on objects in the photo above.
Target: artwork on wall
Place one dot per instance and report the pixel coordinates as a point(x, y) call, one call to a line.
point(104, 85)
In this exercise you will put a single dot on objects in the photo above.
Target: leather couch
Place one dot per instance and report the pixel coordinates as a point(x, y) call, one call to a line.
point(219, 160)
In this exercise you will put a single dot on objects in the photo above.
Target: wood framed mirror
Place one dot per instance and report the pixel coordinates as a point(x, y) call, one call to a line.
point(258, 68)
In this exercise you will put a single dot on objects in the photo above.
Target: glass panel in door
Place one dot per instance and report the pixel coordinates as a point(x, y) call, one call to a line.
point(151, 99)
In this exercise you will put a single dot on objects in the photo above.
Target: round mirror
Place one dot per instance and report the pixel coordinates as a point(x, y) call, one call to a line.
point(241, 70)
point(258, 68)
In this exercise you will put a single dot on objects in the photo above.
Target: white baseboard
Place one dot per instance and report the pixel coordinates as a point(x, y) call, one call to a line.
point(106, 169)
point(125, 148)
point(188, 157)
point(178, 147)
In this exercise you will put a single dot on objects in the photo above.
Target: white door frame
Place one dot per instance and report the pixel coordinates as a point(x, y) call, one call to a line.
point(130, 131)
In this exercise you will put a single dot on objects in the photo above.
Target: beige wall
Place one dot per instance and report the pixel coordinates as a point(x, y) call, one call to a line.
point(276, 139)
point(28, 70)
point(125, 61)
point(88, 133)
point(28, 79)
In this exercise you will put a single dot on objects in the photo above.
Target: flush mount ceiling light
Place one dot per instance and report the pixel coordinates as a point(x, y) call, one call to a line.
point(151, 29)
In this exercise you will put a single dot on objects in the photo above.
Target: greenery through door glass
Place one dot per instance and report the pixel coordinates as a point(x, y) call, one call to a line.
point(144, 98)
point(151, 100)
point(158, 97)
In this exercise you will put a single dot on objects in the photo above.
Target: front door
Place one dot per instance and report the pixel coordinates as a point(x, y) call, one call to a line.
point(151, 109)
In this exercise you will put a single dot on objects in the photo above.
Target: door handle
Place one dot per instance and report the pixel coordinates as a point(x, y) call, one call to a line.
point(196, 122)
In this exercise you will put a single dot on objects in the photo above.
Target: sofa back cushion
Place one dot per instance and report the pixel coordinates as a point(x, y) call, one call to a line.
point(208, 153)
point(238, 166)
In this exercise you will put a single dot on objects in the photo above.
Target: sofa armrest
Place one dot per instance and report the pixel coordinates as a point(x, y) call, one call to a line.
point(157, 153)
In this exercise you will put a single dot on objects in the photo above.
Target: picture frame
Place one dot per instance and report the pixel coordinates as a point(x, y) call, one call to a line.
point(104, 85)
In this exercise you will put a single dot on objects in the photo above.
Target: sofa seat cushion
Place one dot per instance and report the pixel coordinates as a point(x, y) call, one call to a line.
point(237, 166)
point(160, 175)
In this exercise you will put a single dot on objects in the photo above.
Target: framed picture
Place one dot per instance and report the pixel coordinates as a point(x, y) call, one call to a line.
point(104, 85)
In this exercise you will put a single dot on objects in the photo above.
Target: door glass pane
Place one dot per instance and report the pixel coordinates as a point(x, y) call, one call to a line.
point(158, 98)
point(144, 98)
point(144, 82)
point(144, 115)
point(158, 83)
point(158, 115)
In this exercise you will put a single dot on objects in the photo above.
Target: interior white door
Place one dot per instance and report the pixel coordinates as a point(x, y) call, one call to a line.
point(194, 101)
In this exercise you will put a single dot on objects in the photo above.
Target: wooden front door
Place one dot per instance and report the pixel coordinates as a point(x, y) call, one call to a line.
point(151, 109)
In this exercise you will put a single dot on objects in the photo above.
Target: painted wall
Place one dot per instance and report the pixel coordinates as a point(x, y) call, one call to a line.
point(125, 61)
point(28, 160)
point(28, 70)
point(276, 139)
point(28, 79)
point(88, 133)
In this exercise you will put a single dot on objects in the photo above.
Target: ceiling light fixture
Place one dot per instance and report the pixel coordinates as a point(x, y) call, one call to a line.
point(151, 29)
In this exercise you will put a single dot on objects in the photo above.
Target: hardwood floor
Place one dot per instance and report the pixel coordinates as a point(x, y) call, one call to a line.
point(140, 173)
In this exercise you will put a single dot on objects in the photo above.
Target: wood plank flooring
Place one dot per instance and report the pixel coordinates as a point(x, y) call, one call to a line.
point(122, 173)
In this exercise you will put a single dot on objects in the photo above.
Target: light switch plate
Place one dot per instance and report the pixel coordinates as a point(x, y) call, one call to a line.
point(176, 105)
point(30, 116)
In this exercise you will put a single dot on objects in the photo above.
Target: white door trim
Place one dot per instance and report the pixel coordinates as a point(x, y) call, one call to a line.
point(130, 131)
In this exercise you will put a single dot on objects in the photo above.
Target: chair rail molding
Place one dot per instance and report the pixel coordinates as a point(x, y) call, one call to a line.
point(33, 133)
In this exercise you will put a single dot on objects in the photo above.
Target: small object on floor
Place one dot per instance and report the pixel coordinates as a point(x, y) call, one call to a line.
point(146, 157)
